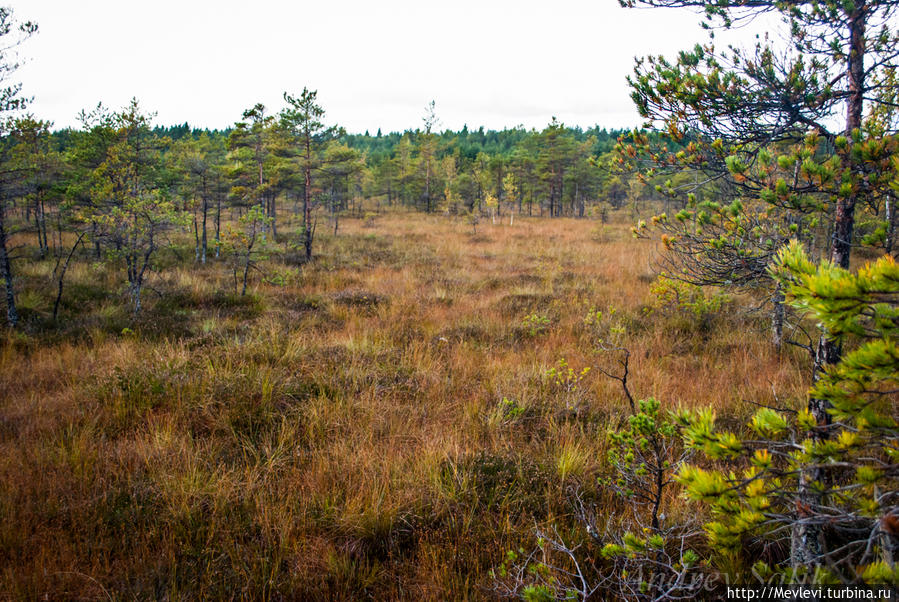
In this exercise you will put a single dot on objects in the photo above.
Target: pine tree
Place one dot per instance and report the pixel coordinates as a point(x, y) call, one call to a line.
point(427, 150)
point(556, 149)
point(12, 34)
point(200, 162)
point(131, 206)
point(762, 119)
point(302, 120)
point(855, 507)
point(251, 144)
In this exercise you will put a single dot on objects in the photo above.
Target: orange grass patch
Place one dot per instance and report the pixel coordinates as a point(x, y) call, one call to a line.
point(344, 434)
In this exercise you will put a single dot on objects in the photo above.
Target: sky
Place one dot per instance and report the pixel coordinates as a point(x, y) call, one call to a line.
point(491, 63)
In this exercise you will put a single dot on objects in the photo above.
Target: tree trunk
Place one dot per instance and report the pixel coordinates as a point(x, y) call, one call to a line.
point(427, 186)
point(552, 197)
point(135, 296)
point(806, 538)
point(777, 317)
point(218, 224)
point(246, 272)
point(891, 227)
point(273, 212)
point(307, 208)
point(44, 224)
point(559, 207)
point(204, 206)
point(96, 241)
point(203, 233)
point(828, 351)
point(196, 239)
point(12, 316)
point(40, 222)
point(62, 275)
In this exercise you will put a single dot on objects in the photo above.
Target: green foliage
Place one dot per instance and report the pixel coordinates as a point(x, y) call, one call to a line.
point(778, 148)
point(678, 296)
point(282, 276)
point(768, 423)
point(605, 327)
point(538, 593)
point(533, 579)
point(643, 459)
point(565, 378)
point(245, 243)
point(130, 205)
point(507, 412)
point(852, 465)
point(858, 304)
point(647, 555)
point(535, 324)
point(643, 455)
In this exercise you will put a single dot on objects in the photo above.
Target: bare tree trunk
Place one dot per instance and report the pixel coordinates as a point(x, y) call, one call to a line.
point(196, 239)
point(561, 197)
point(273, 211)
point(262, 195)
point(891, 227)
point(44, 225)
point(12, 316)
point(552, 197)
point(205, 210)
point(135, 296)
point(96, 241)
point(203, 233)
point(218, 224)
point(427, 187)
point(246, 270)
point(62, 276)
point(307, 205)
point(40, 225)
point(777, 317)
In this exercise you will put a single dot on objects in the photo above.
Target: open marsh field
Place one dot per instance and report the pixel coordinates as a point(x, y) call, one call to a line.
point(381, 423)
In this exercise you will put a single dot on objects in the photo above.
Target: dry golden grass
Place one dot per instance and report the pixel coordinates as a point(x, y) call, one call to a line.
point(343, 435)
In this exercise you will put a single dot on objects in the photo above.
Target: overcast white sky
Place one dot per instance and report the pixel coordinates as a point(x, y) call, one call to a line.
point(496, 63)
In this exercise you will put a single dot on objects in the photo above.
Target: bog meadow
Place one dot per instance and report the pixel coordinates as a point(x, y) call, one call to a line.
point(286, 361)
